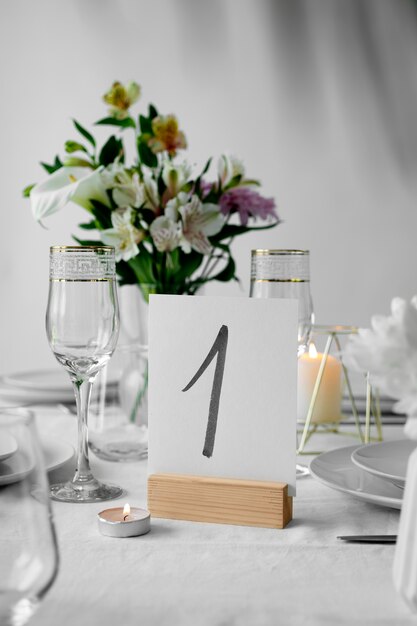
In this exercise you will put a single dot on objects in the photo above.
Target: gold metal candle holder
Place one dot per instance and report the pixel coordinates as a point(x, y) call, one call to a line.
point(334, 335)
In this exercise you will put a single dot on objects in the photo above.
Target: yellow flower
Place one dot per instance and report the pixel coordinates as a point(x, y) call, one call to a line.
point(121, 97)
point(167, 135)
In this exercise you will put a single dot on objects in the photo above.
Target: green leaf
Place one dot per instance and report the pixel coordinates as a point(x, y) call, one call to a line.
point(88, 225)
point(147, 215)
point(142, 266)
point(56, 165)
point(233, 230)
point(197, 185)
point(223, 246)
point(228, 273)
point(26, 191)
point(152, 112)
point(84, 133)
point(126, 274)
point(188, 186)
point(126, 122)
point(146, 156)
point(212, 197)
point(235, 181)
point(102, 214)
point(188, 264)
point(250, 181)
point(111, 150)
point(207, 165)
point(74, 146)
point(76, 162)
point(145, 124)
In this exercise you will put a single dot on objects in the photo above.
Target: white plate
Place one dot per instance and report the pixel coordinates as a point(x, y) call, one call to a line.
point(56, 380)
point(20, 397)
point(387, 459)
point(8, 446)
point(56, 453)
point(41, 380)
point(49, 386)
point(336, 470)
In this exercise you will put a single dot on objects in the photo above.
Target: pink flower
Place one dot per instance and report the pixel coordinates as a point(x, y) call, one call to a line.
point(205, 187)
point(247, 203)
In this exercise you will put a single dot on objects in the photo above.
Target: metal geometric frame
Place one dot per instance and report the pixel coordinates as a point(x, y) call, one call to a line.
point(372, 398)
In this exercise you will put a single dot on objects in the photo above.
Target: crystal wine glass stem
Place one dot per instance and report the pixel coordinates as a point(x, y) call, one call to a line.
point(82, 389)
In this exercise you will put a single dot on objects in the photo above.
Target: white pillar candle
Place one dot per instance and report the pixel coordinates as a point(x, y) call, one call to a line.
point(327, 406)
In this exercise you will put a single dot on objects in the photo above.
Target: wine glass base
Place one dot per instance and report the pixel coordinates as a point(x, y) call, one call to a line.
point(92, 492)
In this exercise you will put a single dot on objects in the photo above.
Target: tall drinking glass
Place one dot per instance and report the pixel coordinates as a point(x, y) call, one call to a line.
point(286, 274)
point(29, 554)
point(82, 324)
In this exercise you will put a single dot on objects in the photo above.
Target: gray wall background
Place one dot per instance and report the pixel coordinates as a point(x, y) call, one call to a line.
point(318, 97)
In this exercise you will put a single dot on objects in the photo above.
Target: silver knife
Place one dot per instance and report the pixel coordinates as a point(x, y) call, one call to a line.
point(369, 538)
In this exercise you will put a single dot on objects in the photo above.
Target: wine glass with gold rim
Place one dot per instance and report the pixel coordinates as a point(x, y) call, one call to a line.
point(82, 325)
point(286, 274)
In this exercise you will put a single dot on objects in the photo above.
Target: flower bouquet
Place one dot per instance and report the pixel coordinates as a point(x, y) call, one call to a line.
point(388, 351)
point(171, 229)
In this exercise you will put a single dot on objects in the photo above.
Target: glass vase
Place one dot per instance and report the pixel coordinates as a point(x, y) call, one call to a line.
point(119, 411)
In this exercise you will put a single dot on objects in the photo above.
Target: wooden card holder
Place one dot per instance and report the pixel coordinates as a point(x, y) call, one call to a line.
point(219, 500)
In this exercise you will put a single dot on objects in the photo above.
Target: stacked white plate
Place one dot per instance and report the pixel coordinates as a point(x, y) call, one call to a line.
point(374, 472)
point(14, 464)
point(41, 387)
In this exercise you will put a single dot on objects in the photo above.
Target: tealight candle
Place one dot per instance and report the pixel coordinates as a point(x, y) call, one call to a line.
point(327, 406)
point(124, 522)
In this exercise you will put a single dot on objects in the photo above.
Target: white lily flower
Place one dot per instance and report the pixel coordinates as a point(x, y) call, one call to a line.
point(151, 192)
point(123, 236)
point(228, 167)
point(200, 221)
point(175, 176)
point(126, 189)
point(166, 233)
point(172, 206)
point(110, 174)
point(130, 192)
point(68, 184)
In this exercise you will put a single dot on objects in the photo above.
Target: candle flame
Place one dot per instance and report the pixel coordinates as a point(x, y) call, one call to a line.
point(126, 509)
point(312, 351)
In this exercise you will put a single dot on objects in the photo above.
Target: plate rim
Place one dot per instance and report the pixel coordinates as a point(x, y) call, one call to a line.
point(376, 472)
point(366, 496)
point(13, 381)
point(6, 455)
point(9, 479)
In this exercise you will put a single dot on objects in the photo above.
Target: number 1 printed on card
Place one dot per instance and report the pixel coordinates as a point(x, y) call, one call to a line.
point(218, 348)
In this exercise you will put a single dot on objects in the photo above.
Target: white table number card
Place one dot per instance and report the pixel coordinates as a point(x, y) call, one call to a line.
point(223, 387)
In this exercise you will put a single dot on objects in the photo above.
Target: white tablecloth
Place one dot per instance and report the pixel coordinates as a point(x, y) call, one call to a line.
point(218, 575)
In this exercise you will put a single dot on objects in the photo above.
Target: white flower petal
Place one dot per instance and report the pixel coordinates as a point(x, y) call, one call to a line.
point(123, 236)
point(76, 184)
point(199, 222)
point(228, 167)
point(165, 233)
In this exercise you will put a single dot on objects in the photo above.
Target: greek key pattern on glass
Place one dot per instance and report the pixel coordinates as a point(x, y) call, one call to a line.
point(81, 266)
point(280, 268)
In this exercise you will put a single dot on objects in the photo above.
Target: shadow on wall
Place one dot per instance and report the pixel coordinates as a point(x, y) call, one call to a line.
point(352, 65)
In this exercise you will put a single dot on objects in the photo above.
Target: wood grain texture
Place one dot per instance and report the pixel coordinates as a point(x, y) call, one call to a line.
point(219, 500)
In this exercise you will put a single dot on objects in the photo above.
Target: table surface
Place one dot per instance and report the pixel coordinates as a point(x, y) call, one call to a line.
point(220, 575)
